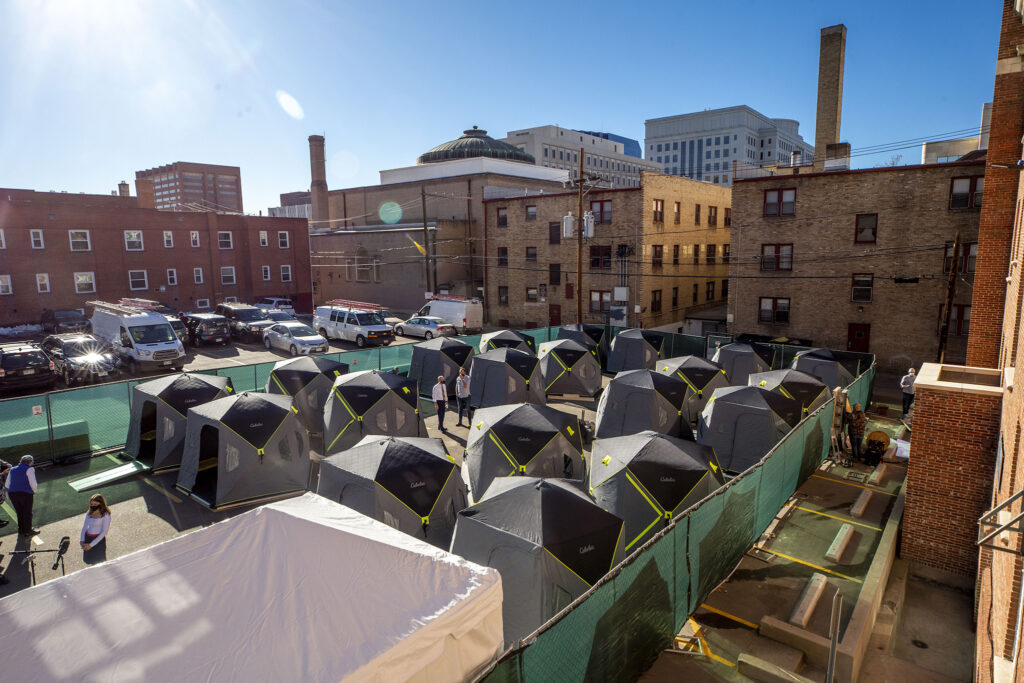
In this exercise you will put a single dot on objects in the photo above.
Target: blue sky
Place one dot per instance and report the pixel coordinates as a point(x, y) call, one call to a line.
point(95, 90)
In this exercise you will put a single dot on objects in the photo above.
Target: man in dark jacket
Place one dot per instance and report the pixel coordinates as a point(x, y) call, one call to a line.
point(856, 425)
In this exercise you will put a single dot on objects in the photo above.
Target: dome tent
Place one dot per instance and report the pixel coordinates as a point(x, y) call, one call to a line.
point(703, 377)
point(522, 439)
point(569, 367)
point(244, 448)
point(370, 402)
point(831, 367)
point(156, 430)
point(505, 375)
point(637, 400)
point(308, 380)
point(408, 483)
point(508, 338)
point(649, 477)
point(592, 336)
point(807, 390)
point(439, 357)
point(740, 360)
point(546, 538)
point(635, 350)
point(743, 423)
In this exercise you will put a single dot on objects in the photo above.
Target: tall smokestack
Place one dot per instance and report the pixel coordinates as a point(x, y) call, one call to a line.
point(830, 92)
point(318, 184)
point(122, 189)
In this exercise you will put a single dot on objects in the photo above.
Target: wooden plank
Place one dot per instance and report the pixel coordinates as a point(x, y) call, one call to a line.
point(108, 476)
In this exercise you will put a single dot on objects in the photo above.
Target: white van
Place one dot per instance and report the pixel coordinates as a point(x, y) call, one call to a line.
point(466, 314)
point(353, 323)
point(275, 303)
point(143, 339)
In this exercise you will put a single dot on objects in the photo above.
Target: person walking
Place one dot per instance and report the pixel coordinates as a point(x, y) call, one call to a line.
point(21, 487)
point(856, 426)
point(94, 530)
point(907, 387)
point(462, 394)
point(440, 397)
point(5, 469)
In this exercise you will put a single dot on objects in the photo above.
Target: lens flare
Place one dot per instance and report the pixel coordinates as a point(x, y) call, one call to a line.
point(290, 105)
point(390, 212)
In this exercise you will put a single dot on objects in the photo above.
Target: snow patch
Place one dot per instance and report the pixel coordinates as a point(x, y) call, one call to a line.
point(19, 330)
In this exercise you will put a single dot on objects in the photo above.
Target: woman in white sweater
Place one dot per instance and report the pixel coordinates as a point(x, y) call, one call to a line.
point(94, 530)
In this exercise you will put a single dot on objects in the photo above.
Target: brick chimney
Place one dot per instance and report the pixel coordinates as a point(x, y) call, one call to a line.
point(146, 196)
point(830, 92)
point(318, 184)
point(122, 189)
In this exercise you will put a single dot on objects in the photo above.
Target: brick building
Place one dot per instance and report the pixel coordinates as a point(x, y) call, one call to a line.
point(59, 250)
point(187, 186)
point(667, 242)
point(858, 259)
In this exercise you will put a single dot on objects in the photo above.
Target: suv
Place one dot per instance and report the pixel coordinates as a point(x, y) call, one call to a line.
point(207, 327)
point(246, 321)
point(65, 321)
point(360, 325)
point(24, 365)
point(81, 358)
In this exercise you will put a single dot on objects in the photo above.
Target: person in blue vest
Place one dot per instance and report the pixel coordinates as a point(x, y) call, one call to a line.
point(21, 487)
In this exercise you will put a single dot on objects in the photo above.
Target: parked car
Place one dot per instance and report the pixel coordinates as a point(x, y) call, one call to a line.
point(294, 337)
point(82, 358)
point(277, 303)
point(425, 326)
point(246, 321)
point(361, 325)
point(179, 327)
point(279, 316)
point(65, 321)
point(23, 366)
point(206, 328)
point(466, 314)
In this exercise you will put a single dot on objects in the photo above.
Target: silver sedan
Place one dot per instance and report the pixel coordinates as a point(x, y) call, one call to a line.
point(294, 337)
point(425, 326)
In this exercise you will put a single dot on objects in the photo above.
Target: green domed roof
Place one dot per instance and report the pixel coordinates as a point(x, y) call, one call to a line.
point(475, 143)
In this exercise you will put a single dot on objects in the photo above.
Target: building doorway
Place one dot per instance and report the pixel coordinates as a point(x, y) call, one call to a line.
point(858, 337)
point(554, 315)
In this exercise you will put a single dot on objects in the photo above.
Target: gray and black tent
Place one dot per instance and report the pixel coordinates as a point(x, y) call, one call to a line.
point(569, 367)
point(308, 380)
point(834, 368)
point(244, 448)
point(741, 360)
point(637, 400)
point(546, 538)
point(156, 431)
point(592, 336)
point(703, 377)
point(807, 390)
point(411, 484)
point(646, 479)
point(635, 350)
point(505, 375)
point(743, 423)
point(507, 339)
point(439, 357)
point(370, 402)
point(522, 439)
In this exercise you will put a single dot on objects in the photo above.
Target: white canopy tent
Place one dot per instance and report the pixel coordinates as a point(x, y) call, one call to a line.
point(303, 589)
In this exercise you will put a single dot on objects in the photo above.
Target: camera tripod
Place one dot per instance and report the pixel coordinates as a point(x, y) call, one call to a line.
point(30, 557)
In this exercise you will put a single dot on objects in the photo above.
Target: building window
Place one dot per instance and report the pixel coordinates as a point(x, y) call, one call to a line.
point(675, 254)
point(193, 237)
point(283, 239)
point(554, 233)
point(710, 253)
point(43, 283)
point(960, 320)
point(659, 211)
point(85, 283)
point(197, 275)
point(531, 254)
point(133, 240)
point(696, 292)
point(286, 272)
point(867, 228)
point(202, 303)
point(712, 216)
point(600, 257)
point(965, 193)
point(3, 240)
point(225, 240)
point(502, 256)
point(656, 301)
point(5, 285)
point(774, 311)
point(675, 212)
point(725, 253)
point(696, 254)
point(227, 275)
point(531, 294)
point(709, 291)
point(502, 217)
point(776, 257)
point(137, 280)
point(967, 260)
point(727, 220)
point(264, 238)
point(675, 297)
point(37, 239)
point(265, 271)
point(602, 211)
point(531, 213)
point(725, 289)
point(172, 277)
point(503, 296)
point(555, 273)
point(863, 286)
point(780, 202)
point(600, 301)
point(657, 255)
point(696, 214)
point(168, 239)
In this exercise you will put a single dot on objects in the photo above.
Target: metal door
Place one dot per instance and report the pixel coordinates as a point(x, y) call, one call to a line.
point(554, 315)
point(858, 337)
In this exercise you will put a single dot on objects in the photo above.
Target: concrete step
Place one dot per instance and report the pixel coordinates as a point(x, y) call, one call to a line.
point(844, 546)
point(757, 669)
point(808, 600)
point(860, 506)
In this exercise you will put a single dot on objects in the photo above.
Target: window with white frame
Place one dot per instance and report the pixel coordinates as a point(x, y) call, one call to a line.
point(5, 285)
point(225, 240)
point(133, 240)
point(282, 239)
point(85, 283)
point(168, 239)
point(266, 273)
point(80, 240)
point(137, 280)
point(231, 299)
point(193, 237)
point(43, 283)
point(227, 275)
point(197, 275)
point(3, 240)
point(37, 239)
point(264, 239)
point(202, 303)
point(286, 272)
point(863, 288)
point(172, 277)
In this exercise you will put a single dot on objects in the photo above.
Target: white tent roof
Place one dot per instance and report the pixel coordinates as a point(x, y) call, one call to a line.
point(303, 589)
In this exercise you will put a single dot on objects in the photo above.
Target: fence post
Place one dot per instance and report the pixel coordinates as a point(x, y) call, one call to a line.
point(49, 429)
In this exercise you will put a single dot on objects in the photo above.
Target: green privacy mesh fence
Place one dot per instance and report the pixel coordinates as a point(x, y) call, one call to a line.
point(616, 630)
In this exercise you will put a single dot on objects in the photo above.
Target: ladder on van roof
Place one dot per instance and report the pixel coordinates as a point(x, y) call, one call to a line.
point(354, 304)
point(122, 308)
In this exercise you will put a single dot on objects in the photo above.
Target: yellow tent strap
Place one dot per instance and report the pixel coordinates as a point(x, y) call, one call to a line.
point(688, 383)
point(587, 583)
point(565, 369)
point(423, 520)
point(504, 451)
point(278, 383)
point(557, 434)
point(657, 508)
point(250, 442)
point(446, 480)
point(782, 390)
point(670, 515)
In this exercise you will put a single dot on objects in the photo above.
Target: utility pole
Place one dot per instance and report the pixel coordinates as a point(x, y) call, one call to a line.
point(579, 243)
point(426, 239)
point(947, 311)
